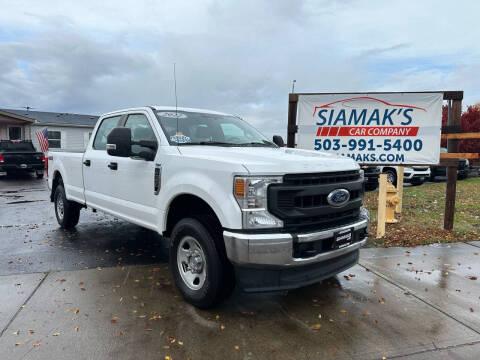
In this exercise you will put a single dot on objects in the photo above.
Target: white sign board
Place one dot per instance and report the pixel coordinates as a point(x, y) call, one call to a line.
point(386, 128)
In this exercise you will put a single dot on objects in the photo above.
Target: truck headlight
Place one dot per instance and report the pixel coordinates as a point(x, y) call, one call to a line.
point(251, 195)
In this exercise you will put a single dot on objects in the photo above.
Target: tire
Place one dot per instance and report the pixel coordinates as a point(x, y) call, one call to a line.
point(391, 176)
point(371, 187)
point(67, 212)
point(39, 175)
point(417, 182)
point(198, 262)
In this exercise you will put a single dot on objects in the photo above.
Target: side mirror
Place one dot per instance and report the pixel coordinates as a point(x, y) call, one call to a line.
point(119, 142)
point(278, 140)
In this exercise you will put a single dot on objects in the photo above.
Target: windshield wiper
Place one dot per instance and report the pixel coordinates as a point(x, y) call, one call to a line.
point(212, 143)
point(256, 143)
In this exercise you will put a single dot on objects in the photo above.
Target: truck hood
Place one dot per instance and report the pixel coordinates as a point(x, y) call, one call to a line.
point(263, 160)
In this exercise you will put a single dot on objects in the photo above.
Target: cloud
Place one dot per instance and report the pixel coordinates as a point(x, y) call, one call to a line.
point(238, 57)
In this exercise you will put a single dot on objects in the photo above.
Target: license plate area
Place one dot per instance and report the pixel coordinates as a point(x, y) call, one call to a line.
point(342, 238)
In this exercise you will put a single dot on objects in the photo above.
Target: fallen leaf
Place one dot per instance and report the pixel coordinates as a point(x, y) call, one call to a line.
point(31, 331)
point(316, 326)
point(75, 328)
point(472, 277)
point(180, 342)
point(18, 343)
point(222, 327)
point(114, 320)
point(56, 334)
point(471, 309)
point(343, 311)
point(16, 332)
point(75, 311)
point(37, 343)
point(236, 347)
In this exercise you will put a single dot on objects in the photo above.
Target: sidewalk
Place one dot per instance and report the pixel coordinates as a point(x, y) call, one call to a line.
point(415, 303)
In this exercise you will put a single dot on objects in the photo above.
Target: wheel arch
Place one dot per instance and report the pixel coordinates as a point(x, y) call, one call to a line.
point(186, 205)
point(57, 178)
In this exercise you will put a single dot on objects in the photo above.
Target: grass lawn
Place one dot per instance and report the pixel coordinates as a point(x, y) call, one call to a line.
point(421, 221)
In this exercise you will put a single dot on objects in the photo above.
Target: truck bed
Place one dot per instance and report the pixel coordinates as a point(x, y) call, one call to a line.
point(70, 165)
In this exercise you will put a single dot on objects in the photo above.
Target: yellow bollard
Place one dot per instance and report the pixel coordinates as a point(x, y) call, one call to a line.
point(382, 204)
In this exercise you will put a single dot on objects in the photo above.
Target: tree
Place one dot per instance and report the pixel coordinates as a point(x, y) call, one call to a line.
point(471, 123)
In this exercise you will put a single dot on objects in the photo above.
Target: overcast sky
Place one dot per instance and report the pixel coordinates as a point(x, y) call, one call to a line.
point(234, 56)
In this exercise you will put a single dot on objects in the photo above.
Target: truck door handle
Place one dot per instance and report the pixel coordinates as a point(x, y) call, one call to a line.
point(86, 163)
point(113, 166)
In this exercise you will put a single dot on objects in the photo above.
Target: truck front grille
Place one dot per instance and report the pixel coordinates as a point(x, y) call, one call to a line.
point(301, 200)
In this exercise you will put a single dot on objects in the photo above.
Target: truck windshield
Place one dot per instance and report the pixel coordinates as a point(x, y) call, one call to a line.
point(195, 128)
point(16, 146)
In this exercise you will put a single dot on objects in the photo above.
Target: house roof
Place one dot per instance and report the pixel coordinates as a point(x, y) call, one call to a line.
point(45, 117)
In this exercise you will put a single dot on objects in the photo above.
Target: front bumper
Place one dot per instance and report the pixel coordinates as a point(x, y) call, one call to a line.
point(277, 250)
point(408, 176)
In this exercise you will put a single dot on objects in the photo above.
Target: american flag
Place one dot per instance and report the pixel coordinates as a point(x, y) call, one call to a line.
point(42, 137)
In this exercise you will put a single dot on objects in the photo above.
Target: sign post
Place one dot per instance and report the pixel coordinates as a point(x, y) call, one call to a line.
point(398, 209)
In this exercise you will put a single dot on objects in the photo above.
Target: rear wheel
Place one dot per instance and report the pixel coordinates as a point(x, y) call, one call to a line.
point(39, 175)
point(370, 186)
point(67, 212)
point(198, 261)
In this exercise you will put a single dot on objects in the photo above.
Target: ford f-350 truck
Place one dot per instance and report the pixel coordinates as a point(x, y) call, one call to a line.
point(235, 207)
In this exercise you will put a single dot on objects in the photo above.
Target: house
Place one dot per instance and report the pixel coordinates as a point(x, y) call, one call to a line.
point(65, 131)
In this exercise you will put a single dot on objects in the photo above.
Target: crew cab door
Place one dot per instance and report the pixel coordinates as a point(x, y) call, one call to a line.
point(132, 183)
point(96, 173)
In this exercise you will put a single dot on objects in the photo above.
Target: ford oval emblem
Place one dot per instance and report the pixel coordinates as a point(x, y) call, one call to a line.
point(338, 197)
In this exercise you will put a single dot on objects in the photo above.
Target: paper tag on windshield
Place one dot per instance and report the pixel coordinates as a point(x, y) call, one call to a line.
point(180, 139)
point(171, 114)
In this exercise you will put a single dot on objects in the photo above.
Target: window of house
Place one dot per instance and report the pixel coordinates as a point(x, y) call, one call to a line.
point(54, 139)
point(15, 133)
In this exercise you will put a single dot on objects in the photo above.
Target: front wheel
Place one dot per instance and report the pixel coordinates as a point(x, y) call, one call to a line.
point(198, 263)
point(67, 212)
point(391, 176)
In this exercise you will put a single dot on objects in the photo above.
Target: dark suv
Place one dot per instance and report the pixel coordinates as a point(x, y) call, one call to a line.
point(371, 174)
point(462, 170)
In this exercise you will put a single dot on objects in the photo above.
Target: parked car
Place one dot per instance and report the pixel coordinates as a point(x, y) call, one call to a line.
point(235, 207)
point(371, 174)
point(415, 175)
point(463, 168)
point(20, 156)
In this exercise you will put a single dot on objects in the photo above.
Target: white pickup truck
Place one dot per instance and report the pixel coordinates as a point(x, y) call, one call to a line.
point(236, 207)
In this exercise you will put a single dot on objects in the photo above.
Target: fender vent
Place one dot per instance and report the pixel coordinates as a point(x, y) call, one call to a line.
point(157, 180)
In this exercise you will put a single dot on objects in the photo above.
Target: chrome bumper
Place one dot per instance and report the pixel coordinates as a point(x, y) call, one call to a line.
point(277, 249)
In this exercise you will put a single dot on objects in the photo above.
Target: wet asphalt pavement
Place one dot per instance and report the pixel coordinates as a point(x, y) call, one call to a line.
point(104, 291)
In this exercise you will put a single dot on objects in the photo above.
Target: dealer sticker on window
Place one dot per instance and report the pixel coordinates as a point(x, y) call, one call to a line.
point(180, 139)
point(172, 114)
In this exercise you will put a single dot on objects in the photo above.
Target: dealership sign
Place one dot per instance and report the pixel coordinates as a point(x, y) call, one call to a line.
point(376, 128)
